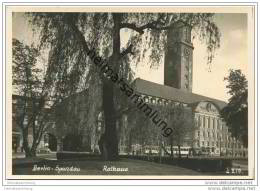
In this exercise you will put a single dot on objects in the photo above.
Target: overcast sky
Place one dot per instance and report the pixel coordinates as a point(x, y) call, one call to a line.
point(233, 54)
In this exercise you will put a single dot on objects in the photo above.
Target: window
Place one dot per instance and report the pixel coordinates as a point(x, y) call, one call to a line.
point(208, 143)
point(204, 121)
point(196, 121)
point(202, 143)
point(200, 121)
point(186, 34)
point(25, 122)
point(208, 122)
point(198, 133)
point(220, 127)
point(208, 134)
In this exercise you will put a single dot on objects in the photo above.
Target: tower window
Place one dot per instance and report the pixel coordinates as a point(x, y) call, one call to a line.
point(187, 34)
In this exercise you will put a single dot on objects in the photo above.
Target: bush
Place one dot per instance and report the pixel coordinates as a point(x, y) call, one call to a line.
point(198, 164)
point(74, 155)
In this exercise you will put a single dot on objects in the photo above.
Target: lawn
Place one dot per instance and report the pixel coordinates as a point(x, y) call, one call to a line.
point(97, 167)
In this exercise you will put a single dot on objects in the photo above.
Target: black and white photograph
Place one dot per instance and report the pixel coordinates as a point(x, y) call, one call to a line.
point(131, 93)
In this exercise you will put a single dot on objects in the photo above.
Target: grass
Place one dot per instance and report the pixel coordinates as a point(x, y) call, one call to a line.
point(95, 167)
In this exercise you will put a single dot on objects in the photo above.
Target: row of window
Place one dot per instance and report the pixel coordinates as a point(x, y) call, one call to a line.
point(160, 101)
point(219, 144)
point(216, 135)
point(208, 134)
point(210, 122)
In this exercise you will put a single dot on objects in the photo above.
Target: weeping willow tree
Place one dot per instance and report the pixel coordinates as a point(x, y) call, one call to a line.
point(70, 36)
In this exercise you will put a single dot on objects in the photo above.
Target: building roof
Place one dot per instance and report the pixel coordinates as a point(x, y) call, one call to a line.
point(170, 93)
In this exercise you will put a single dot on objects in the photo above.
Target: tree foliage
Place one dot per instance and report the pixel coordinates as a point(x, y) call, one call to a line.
point(236, 112)
point(180, 119)
point(27, 84)
point(26, 80)
point(70, 36)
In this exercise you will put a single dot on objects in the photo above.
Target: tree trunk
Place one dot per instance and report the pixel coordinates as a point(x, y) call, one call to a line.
point(110, 143)
point(129, 144)
point(171, 144)
point(179, 151)
point(28, 152)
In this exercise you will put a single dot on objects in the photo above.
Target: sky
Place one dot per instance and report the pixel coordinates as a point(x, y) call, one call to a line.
point(232, 54)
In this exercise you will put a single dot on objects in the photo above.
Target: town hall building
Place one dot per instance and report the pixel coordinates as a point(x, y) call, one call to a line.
point(211, 132)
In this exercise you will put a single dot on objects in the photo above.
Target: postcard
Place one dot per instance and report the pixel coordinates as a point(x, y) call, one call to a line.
point(130, 92)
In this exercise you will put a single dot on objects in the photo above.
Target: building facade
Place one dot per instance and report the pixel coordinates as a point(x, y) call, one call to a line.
point(210, 134)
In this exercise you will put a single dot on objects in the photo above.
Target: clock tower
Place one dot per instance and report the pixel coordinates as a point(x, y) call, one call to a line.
point(179, 57)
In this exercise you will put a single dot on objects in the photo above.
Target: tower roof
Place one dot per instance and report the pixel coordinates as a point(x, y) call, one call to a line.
point(170, 93)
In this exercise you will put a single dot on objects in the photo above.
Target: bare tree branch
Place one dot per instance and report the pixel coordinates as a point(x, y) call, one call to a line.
point(128, 50)
point(153, 25)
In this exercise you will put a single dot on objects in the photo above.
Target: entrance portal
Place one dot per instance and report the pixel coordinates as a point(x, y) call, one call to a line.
point(52, 142)
point(72, 142)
